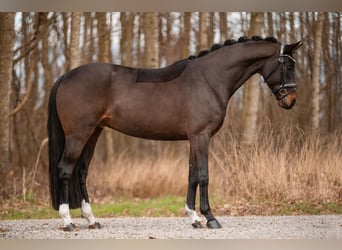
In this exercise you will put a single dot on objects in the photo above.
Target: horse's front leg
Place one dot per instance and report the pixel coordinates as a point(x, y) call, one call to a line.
point(191, 196)
point(199, 147)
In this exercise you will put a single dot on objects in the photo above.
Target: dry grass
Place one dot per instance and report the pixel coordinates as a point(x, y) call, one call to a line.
point(280, 166)
point(131, 173)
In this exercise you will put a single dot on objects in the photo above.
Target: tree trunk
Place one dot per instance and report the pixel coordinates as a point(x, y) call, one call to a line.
point(185, 37)
point(329, 72)
point(292, 27)
point(223, 27)
point(65, 18)
point(211, 28)
point(270, 24)
point(168, 53)
point(75, 50)
point(203, 32)
point(7, 36)
point(104, 54)
point(251, 91)
point(316, 71)
point(126, 42)
point(337, 45)
point(151, 32)
point(88, 38)
point(46, 64)
point(139, 35)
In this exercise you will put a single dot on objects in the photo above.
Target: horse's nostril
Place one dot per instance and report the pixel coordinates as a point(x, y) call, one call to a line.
point(293, 103)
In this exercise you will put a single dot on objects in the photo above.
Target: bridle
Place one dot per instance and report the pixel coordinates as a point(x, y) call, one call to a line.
point(285, 88)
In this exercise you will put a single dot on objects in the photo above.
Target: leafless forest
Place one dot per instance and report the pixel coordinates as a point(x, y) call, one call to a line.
point(262, 152)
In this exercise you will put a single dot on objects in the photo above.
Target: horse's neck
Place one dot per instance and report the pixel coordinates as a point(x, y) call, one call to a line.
point(231, 68)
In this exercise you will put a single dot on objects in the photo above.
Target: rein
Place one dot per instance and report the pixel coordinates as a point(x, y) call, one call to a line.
point(280, 91)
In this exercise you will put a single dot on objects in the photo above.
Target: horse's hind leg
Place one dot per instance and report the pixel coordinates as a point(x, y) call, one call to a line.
point(83, 166)
point(74, 143)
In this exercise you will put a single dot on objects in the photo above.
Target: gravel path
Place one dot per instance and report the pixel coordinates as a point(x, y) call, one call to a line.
point(247, 227)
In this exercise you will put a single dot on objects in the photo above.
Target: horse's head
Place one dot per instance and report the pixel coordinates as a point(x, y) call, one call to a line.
point(279, 74)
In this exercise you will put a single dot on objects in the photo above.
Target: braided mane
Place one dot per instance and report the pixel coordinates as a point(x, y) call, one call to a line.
point(232, 42)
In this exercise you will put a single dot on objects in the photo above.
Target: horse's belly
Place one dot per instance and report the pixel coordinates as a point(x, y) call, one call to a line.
point(149, 125)
point(155, 136)
point(151, 132)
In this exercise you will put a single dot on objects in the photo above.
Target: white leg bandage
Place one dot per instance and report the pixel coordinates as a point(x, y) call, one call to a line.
point(64, 213)
point(192, 214)
point(87, 212)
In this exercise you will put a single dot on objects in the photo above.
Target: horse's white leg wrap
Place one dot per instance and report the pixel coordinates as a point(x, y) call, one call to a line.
point(192, 214)
point(87, 212)
point(64, 213)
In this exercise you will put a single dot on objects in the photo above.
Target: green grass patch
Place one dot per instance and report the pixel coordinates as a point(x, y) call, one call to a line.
point(154, 207)
point(311, 208)
point(168, 206)
point(28, 212)
point(164, 206)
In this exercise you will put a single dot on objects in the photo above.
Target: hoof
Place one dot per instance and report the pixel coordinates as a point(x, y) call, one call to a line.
point(197, 224)
point(213, 224)
point(96, 225)
point(70, 228)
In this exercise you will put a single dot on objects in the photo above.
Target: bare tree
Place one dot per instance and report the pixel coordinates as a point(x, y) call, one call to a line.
point(316, 71)
point(223, 26)
point(88, 38)
point(104, 54)
point(185, 35)
point(251, 92)
point(211, 28)
point(151, 32)
point(270, 30)
point(203, 31)
point(126, 42)
point(7, 36)
point(75, 50)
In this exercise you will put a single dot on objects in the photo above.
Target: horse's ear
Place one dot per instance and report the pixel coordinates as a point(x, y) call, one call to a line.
point(291, 48)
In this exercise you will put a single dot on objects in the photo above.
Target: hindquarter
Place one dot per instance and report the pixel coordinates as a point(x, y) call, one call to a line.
point(82, 97)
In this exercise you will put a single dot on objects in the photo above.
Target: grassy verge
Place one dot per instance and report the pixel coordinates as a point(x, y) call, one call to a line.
point(169, 206)
point(165, 206)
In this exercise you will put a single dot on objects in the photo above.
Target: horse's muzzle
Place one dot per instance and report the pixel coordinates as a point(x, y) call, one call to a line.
point(288, 101)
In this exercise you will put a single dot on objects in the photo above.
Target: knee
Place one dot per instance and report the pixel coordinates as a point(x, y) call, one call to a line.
point(203, 179)
point(65, 171)
point(193, 180)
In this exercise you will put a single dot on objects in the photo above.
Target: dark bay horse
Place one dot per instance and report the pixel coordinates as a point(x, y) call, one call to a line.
point(184, 101)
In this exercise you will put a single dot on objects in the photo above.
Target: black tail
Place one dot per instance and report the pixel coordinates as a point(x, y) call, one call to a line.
point(56, 145)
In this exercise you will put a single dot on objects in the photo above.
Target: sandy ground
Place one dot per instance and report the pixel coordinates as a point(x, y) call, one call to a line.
point(246, 227)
